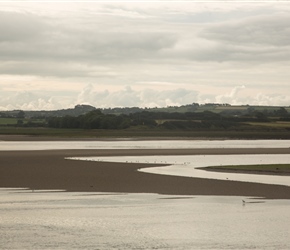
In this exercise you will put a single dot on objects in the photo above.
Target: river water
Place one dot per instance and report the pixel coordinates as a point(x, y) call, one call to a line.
point(141, 144)
point(62, 220)
point(39, 220)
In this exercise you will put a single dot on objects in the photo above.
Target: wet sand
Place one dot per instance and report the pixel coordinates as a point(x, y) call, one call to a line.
point(48, 169)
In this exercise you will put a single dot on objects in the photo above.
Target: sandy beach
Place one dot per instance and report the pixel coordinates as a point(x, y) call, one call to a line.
point(48, 169)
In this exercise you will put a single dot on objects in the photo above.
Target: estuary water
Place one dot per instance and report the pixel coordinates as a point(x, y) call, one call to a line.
point(62, 220)
point(141, 144)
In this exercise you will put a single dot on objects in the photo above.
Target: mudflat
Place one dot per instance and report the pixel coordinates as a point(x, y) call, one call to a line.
point(48, 169)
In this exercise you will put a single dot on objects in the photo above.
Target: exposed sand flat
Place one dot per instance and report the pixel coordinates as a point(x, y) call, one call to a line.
point(49, 170)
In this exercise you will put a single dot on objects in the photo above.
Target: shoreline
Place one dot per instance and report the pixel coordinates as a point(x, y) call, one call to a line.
point(49, 170)
point(137, 138)
point(133, 137)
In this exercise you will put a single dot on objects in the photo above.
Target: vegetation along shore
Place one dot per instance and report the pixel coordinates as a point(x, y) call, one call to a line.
point(221, 121)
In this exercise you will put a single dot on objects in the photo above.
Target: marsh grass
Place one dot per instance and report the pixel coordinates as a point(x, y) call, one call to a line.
point(283, 169)
point(277, 124)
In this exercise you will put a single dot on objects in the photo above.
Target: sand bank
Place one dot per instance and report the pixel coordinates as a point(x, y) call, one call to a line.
point(50, 170)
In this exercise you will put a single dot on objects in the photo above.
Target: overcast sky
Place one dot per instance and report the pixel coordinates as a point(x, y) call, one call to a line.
point(117, 54)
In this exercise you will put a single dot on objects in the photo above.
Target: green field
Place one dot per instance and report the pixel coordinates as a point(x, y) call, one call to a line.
point(8, 121)
point(15, 121)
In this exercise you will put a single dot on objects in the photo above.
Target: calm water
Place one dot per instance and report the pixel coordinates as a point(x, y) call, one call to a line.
point(140, 221)
point(61, 220)
point(129, 144)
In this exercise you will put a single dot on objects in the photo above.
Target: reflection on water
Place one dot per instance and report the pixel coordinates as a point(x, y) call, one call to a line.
point(140, 221)
point(60, 220)
point(186, 165)
point(139, 144)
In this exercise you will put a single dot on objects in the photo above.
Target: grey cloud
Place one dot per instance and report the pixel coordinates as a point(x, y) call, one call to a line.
point(55, 69)
point(263, 30)
point(19, 26)
point(58, 46)
point(125, 11)
point(126, 46)
point(256, 39)
point(76, 47)
point(115, 40)
point(123, 44)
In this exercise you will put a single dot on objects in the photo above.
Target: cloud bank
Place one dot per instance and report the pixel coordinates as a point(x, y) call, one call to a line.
point(136, 54)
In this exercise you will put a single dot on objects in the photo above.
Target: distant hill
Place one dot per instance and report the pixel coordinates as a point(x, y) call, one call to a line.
point(225, 109)
point(76, 111)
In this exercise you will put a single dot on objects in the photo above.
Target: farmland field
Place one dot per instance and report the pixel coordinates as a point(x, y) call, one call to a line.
point(8, 121)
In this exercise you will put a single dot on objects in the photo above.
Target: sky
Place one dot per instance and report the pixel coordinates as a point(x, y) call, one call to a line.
point(55, 55)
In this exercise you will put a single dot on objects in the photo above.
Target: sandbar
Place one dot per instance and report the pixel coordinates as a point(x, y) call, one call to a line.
point(49, 170)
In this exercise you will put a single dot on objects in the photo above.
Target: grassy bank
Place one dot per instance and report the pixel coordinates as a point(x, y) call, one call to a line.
point(143, 133)
point(279, 169)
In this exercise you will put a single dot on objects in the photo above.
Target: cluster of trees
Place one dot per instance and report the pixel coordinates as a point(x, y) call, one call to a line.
point(223, 108)
point(206, 120)
point(92, 120)
point(16, 114)
point(191, 120)
point(251, 112)
point(98, 120)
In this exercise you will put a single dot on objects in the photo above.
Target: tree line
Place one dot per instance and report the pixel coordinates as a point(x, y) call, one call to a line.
point(96, 119)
